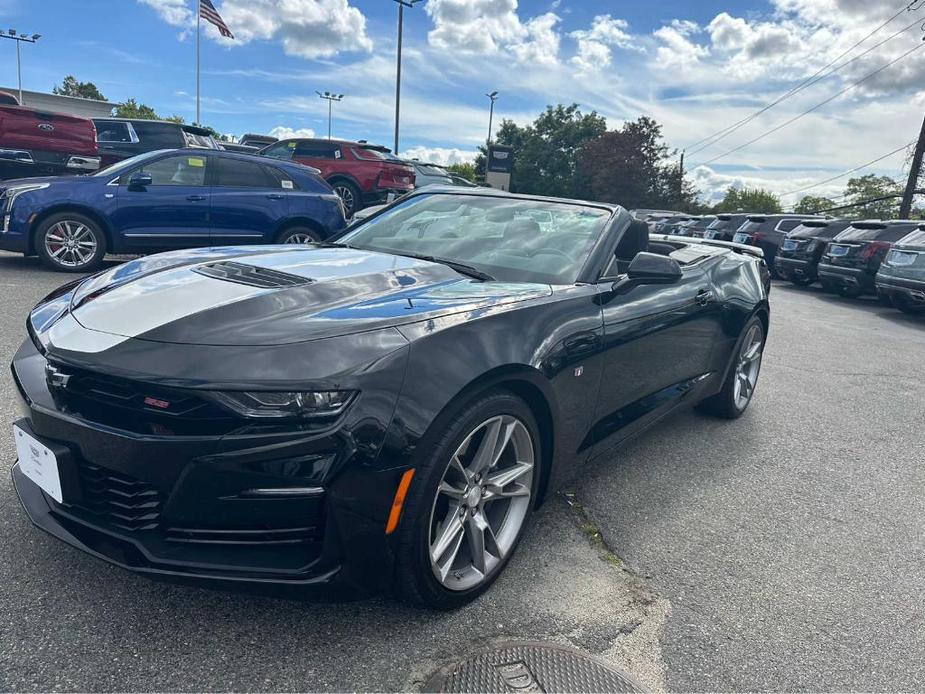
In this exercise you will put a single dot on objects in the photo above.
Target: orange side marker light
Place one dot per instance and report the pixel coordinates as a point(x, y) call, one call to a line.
point(398, 501)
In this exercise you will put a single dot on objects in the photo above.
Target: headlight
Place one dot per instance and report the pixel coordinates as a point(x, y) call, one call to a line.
point(13, 192)
point(319, 403)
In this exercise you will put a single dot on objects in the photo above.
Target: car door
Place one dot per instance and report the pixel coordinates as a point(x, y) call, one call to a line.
point(171, 212)
point(248, 201)
point(657, 348)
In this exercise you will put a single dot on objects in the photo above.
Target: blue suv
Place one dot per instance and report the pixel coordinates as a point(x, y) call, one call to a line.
point(165, 200)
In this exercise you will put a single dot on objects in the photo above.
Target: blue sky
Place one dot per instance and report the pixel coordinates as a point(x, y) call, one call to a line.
point(695, 67)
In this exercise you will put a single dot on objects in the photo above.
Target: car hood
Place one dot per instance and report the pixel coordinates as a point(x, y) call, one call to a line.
point(41, 179)
point(277, 295)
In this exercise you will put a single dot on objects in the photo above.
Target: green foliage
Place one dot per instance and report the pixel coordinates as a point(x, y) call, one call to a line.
point(85, 90)
point(465, 170)
point(131, 109)
point(749, 200)
point(546, 152)
point(633, 167)
point(812, 204)
point(871, 187)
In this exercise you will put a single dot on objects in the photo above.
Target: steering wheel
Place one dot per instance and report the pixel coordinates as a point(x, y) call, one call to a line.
point(551, 251)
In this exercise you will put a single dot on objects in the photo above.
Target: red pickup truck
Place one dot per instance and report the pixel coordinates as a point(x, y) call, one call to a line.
point(39, 143)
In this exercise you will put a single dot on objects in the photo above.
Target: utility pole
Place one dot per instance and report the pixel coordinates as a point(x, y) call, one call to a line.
point(402, 4)
point(19, 38)
point(905, 209)
point(330, 98)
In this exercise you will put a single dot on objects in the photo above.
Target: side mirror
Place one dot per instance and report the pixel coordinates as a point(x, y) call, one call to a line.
point(649, 268)
point(139, 180)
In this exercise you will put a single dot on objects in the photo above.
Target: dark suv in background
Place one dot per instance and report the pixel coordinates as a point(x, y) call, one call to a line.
point(850, 262)
point(767, 232)
point(121, 138)
point(360, 173)
point(901, 279)
point(798, 256)
point(724, 227)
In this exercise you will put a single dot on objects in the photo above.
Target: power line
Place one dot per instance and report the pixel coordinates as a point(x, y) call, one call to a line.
point(850, 171)
point(810, 110)
point(806, 84)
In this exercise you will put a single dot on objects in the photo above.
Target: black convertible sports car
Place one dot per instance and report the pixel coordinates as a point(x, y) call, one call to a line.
point(381, 412)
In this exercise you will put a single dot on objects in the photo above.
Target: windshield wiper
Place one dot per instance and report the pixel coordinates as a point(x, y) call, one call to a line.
point(461, 268)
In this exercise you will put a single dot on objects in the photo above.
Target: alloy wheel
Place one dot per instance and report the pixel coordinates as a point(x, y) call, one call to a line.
point(70, 243)
point(299, 237)
point(481, 503)
point(346, 194)
point(746, 376)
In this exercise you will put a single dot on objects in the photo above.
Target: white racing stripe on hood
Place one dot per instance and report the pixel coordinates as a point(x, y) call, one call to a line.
point(142, 305)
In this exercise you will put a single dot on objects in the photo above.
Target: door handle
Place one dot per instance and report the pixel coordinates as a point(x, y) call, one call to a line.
point(704, 297)
point(275, 196)
point(195, 198)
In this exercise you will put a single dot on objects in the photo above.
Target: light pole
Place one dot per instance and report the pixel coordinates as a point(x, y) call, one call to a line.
point(330, 98)
point(402, 4)
point(491, 116)
point(19, 38)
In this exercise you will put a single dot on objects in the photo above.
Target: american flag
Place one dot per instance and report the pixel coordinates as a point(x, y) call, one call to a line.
point(208, 12)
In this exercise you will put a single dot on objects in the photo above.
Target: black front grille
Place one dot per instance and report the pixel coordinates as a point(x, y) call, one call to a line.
point(251, 275)
point(136, 405)
point(122, 501)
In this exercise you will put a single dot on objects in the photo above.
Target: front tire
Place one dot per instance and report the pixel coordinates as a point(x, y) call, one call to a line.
point(739, 386)
point(469, 503)
point(70, 242)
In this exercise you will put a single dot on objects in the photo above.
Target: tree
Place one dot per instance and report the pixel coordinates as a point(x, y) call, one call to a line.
point(546, 152)
point(749, 200)
point(632, 166)
point(131, 109)
point(465, 170)
point(871, 187)
point(811, 204)
point(85, 90)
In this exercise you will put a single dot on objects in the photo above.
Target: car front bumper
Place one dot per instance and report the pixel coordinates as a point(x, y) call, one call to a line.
point(287, 508)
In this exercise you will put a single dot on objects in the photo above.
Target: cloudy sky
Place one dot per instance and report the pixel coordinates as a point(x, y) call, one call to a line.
point(696, 67)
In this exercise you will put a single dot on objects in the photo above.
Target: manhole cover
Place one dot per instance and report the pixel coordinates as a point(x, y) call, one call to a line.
point(530, 667)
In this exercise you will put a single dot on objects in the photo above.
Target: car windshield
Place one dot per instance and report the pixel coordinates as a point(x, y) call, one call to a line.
point(916, 239)
point(511, 239)
point(873, 231)
point(813, 230)
point(121, 167)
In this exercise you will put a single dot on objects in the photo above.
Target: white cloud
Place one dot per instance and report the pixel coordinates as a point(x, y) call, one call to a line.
point(594, 44)
point(282, 132)
point(306, 28)
point(492, 26)
point(678, 50)
point(444, 156)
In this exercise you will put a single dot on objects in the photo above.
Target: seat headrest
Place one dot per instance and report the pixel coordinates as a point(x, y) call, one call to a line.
point(634, 240)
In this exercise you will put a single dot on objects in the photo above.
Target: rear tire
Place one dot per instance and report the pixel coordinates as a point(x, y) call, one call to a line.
point(906, 306)
point(801, 281)
point(70, 242)
point(350, 195)
point(298, 235)
point(739, 386)
point(445, 494)
point(848, 292)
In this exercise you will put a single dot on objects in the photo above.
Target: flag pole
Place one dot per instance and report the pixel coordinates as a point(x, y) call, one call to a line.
point(198, 32)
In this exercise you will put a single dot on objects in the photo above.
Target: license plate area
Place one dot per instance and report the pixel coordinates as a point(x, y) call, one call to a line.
point(742, 238)
point(39, 463)
point(837, 251)
point(789, 245)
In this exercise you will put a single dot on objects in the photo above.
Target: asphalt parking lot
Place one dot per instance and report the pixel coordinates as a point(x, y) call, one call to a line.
point(783, 551)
